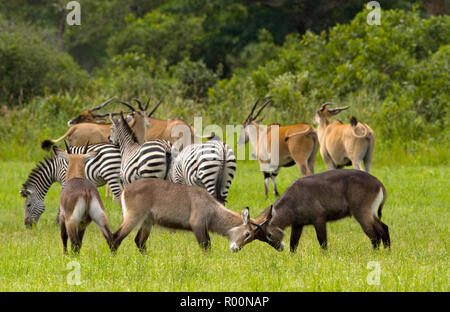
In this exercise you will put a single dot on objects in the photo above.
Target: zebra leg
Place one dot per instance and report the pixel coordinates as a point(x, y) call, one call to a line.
point(273, 177)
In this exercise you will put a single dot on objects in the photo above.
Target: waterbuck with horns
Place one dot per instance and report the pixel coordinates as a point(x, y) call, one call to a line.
point(89, 130)
point(297, 144)
point(79, 202)
point(171, 130)
point(323, 197)
point(149, 201)
point(344, 144)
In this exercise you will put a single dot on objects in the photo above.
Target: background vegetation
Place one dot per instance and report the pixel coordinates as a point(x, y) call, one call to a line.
point(214, 58)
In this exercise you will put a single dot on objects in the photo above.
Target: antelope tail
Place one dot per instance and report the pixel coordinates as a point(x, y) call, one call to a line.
point(354, 123)
point(47, 144)
point(307, 131)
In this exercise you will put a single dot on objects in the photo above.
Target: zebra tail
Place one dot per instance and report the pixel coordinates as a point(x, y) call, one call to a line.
point(220, 175)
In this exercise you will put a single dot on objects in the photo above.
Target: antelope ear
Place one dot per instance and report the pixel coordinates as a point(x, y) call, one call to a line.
point(61, 153)
point(271, 213)
point(245, 215)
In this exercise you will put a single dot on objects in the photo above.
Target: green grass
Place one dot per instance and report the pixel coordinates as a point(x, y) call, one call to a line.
point(417, 211)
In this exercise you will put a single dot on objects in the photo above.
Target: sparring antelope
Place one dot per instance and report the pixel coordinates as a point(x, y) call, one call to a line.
point(344, 144)
point(297, 144)
point(323, 197)
point(79, 202)
point(149, 201)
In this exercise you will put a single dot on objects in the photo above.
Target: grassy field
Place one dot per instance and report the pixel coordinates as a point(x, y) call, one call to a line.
point(417, 211)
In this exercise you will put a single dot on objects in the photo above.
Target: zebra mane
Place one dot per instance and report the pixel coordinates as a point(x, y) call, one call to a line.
point(128, 129)
point(35, 172)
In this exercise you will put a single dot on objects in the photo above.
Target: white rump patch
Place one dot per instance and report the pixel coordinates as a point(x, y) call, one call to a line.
point(96, 211)
point(122, 203)
point(79, 211)
point(377, 202)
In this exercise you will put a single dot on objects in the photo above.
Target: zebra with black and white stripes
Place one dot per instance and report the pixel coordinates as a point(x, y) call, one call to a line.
point(210, 165)
point(102, 169)
point(149, 160)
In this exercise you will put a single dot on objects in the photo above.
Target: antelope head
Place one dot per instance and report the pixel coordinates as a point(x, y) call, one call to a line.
point(251, 118)
point(324, 113)
point(76, 162)
point(90, 116)
point(265, 231)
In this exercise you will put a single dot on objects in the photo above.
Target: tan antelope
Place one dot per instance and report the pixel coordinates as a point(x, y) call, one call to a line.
point(149, 201)
point(172, 130)
point(320, 198)
point(344, 144)
point(90, 130)
point(297, 144)
point(79, 202)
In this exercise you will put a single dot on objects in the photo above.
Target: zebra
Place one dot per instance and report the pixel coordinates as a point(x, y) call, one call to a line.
point(149, 160)
point(210, 165)
point(102, 169)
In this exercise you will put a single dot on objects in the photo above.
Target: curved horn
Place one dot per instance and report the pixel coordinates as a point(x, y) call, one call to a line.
point(127, 105)
point(261, 108)
point(148, 103)
point(103, 104)
point(253, 108)
point(139, 104)
point(322, 107)
point(107, 114)
point(67, 147)
point(156, 106)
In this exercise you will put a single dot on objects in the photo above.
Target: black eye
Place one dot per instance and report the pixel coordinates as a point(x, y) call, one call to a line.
point(247, 234)
point(269, 235)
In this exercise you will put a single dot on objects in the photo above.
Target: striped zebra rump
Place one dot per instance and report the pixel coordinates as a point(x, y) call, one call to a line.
point(152, 160)
point(210, 165)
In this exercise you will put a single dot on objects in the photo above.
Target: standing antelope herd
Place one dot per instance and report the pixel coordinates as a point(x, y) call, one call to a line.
point(160, 174)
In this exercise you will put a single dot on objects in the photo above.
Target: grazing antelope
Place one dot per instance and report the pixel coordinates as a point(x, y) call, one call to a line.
point(81, 133)
point(323, 197)
point(344, 144)
point(146, 202)
point(103, 168)
point(297, 144)
point(79, 202)
point(210, 165)
point(90, 116)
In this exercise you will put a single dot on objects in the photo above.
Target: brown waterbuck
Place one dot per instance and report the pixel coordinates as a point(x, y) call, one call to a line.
point(90, 130)
point(297, 144)
point(323, 197)
point(79, 202)
point(149, 201)
point(344, 144)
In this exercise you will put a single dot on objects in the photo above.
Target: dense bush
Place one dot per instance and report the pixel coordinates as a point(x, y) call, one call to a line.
point(30, 66)
point(404, 63)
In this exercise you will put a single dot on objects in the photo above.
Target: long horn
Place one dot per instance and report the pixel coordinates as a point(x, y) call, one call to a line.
point(261, 108)
point(148, 103)
point(67, 147)
point(253, 108)
point(103, 104)
point(156, 106)
point(322, 107)
point(139, 103)
point(107, 114)
point(127, 105)
point(338, 109)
